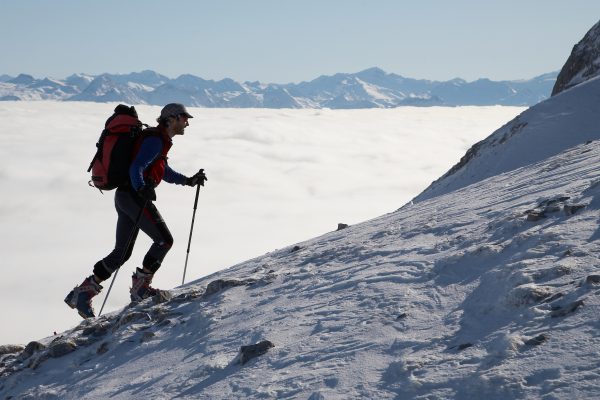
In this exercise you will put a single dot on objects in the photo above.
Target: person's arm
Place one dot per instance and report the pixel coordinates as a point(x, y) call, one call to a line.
point(172, 176)
point(149, 150)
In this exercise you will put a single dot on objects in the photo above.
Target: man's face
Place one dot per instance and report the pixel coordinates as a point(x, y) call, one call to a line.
point(178, 124)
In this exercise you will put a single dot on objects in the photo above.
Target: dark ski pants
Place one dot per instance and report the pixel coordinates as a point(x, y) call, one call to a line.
point(128, 205)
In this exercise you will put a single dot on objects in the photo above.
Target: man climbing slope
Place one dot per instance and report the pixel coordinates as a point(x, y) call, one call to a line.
point(148, 168)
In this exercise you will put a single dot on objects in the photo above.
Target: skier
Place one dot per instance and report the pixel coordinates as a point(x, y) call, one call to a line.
point(148, 168)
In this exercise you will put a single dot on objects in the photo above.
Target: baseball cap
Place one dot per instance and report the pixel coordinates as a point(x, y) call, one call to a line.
point(173, 110)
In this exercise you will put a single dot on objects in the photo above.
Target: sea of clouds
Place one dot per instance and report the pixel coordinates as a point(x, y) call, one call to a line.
point(276, 177)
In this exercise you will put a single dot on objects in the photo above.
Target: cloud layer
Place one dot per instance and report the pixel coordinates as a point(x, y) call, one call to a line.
point(276, 177)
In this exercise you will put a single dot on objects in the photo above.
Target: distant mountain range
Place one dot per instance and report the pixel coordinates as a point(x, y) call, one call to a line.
point(371, 88)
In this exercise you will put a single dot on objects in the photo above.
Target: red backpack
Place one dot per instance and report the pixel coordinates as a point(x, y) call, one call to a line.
point(110, 165)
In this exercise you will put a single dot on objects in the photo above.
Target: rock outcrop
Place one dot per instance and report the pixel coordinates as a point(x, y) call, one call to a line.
point(583, 63)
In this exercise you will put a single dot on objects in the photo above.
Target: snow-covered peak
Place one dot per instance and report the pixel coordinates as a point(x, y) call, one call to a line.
point(104, 89)
point(48, 82)
point(542, 131)
point(370, 88)
point(582, 64)
point(22, 79)
point(373, 72)
point(80, 81)
point(147, 78)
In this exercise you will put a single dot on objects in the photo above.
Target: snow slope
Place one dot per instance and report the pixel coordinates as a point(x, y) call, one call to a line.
point(529, 138)
point(488, 289)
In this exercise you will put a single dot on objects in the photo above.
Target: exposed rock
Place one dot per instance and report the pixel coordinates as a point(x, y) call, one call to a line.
point(81, 341)
point(583, 63)
point(515, 128)
point(254, 350)
point(593, 279)
point(461, 347)
point(528, 294)
point(342, 226)
point(165, 322)
point(10, 349)
point(566, 310)
point(464, 160)
point(159, 315)
point(555, 296)
point(162, 297)
point(131, 317)
point(61, 348)
point(187, 296)
point(146, 336)
point(538, 340)
point(552, 206)
point(535, 215)
point(103, 348)
point(553, 272)
point(6, 371)
point(464, 346)
point(97, 330)
point(220, 284)
point(295, 249)
point(571, 209)
point(30, 349)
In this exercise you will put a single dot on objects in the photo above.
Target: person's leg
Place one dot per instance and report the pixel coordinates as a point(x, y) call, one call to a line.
point(154, 226)
point(81, 296)
point(126, 235)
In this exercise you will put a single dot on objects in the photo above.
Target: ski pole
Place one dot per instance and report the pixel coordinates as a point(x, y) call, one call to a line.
point(191, 230)
point(129, 240)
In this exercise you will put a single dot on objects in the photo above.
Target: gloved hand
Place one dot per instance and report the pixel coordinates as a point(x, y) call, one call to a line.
point(198, 179)
point(147, 193)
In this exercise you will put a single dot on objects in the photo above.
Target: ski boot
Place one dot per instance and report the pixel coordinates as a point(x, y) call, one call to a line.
point(140, 286)
point(81, 297)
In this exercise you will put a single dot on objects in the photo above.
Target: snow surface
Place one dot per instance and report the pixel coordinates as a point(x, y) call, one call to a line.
point(275, 178)
point(531, 138)
point(487, 291)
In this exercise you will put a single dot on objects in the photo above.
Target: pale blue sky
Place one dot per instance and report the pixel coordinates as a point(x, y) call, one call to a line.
point(292, 41)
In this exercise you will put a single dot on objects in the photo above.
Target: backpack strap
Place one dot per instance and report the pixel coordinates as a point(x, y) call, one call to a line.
point(152, 132)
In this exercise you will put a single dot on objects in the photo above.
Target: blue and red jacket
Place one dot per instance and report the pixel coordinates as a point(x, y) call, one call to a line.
point(150, 160)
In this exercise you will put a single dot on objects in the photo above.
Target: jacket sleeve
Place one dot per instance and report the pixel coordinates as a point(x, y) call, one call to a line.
point(149, 150)
point(172, 176)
